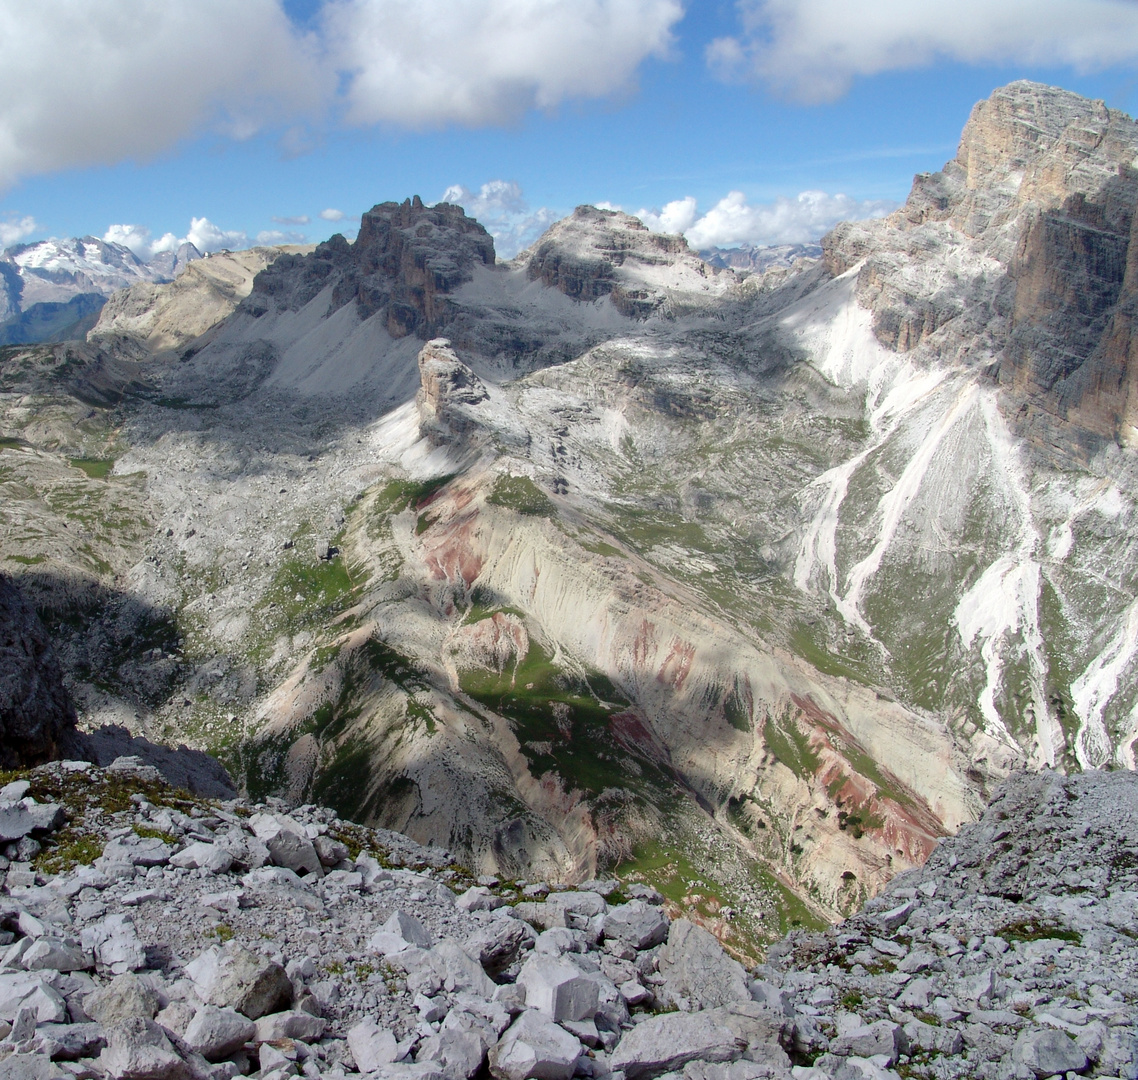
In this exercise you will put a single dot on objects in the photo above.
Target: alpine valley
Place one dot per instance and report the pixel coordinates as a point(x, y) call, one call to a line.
point(752, 583)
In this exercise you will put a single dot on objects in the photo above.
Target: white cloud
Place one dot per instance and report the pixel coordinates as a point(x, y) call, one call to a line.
point(275, 236)
point(332, 215)
point(813, 49)
point(502, 209)
point(84, 83)
point(206, 236)
point(437, 62)
point(203, 234)
point(676, 217)
point(94, 83)
point(299, 219)
point(14, 229)
point(733, 220)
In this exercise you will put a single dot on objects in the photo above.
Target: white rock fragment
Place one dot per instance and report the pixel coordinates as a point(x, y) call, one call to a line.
point(557, 988)
point(535, 1048)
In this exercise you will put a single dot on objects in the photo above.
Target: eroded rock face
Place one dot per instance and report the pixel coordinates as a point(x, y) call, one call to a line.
point(1035, 213)
point(36, 712)
point(405, 261)
point(598, 253)
point(447, 384)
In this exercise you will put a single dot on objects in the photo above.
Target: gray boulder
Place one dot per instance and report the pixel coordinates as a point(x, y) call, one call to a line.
point(558, 988)
point(1047, 1052)
point(535, 1048)
point(56, 954)
point(32, 1067)
point(667, 1042)
point(212, 857)
point(697, 973)
point(218, 1033)
point(115, 944)
point(288, 844)
point(401, 931)
point(883, 1039)
point(458, 1054)
point(638, 924)
point(372, 1047)
point(27, 990)
point(26, 816)
point(497, 944)
point(140, 1050)
point(290, 1025)
point(126, 997)
point(233, 977)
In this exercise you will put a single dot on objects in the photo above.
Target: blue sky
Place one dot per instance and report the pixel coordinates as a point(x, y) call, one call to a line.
point(331, 104)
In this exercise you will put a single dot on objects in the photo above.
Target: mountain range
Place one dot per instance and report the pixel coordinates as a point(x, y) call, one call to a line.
point(53, 290)
point(752, 584)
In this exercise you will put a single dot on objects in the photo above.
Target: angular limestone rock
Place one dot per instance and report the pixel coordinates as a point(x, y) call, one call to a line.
point(535, 1048)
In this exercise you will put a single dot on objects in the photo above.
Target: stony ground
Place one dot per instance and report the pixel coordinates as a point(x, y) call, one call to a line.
point(152, 934)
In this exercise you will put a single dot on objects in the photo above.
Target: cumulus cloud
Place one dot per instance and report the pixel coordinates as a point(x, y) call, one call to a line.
point(435, 62)
point(733, 220)
point(501, 207)
point(812, 50)
point(203, 234)
point(14, 229)
point(300, 219)
point(86, 83)
point(94, 83)
point(332, 215)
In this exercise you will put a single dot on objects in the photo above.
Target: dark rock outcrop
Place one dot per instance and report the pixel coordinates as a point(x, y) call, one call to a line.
point(36, 712)
point(405, 261)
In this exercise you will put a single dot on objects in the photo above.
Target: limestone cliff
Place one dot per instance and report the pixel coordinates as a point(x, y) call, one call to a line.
point(1034, 217)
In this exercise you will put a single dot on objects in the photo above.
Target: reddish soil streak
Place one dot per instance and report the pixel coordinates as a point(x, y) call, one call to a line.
point(677, 665)
point(644, 644)
point(911, 831)
point(451, 555)
point(632, 731)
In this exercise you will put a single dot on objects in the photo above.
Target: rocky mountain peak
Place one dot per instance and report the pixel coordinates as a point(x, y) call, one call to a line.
point(1036, 210)
point(596, 253)
point(405, 261)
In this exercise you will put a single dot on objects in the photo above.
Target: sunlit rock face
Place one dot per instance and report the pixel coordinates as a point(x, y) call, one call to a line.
point(755, 583)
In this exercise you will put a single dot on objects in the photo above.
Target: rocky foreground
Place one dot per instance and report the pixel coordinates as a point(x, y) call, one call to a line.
point(151, 934)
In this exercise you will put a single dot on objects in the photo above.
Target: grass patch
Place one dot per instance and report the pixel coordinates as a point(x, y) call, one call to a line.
point(599, 547)
point(70, 849)
point(95, 468)
point(400, 495)
point(522, 495)
point(561, 720)
point(793, 912)
point(1038, 930)
point(804, 643)
point(787, 742)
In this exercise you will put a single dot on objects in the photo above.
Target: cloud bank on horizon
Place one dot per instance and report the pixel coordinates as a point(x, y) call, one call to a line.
point(813, 50)
point(128, 79)
point(733, 220)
